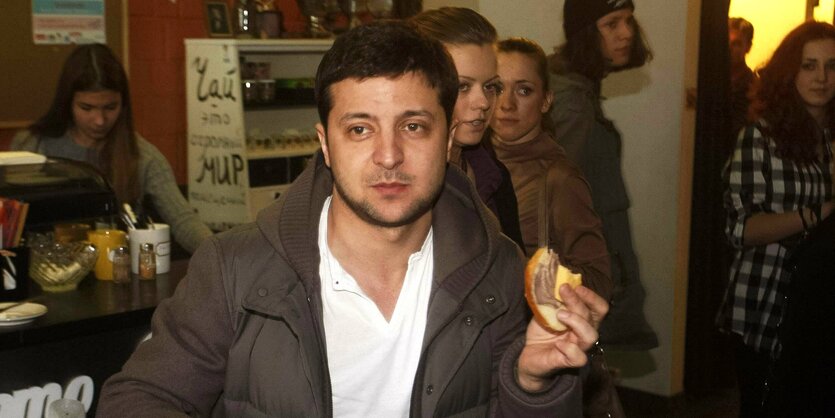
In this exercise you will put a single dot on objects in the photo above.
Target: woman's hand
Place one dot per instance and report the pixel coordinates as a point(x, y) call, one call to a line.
point(546, 352)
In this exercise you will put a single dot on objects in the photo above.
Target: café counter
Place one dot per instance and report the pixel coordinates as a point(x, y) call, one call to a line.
point(86, 336)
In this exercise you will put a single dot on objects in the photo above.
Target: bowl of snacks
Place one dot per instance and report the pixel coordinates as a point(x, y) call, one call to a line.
point(59, 267)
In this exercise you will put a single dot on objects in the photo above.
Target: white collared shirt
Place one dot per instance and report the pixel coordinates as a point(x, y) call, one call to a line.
point(372, 361)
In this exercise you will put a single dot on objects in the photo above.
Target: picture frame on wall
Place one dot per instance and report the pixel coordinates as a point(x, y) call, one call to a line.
point(218, 23)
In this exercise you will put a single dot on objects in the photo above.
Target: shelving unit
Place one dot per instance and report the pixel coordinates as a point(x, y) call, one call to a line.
point(242, 156)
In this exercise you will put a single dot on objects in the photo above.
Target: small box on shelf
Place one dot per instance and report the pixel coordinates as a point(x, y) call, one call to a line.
point(297, 96)
point(14, 267)
point(278, 93)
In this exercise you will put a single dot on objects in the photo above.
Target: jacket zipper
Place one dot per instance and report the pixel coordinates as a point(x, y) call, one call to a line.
point(417, 390)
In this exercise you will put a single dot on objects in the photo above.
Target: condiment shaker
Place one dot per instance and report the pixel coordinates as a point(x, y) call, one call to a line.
point(147, 261)
point(121, 265)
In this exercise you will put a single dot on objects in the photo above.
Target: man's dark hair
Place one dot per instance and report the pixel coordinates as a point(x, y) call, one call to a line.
point(386, 49)
point(744, 27)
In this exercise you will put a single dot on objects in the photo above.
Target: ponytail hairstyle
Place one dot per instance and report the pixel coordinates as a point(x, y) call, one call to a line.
point(455, 26)
point(532, 50)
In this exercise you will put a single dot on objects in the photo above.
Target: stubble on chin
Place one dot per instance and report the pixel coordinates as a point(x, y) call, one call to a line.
point(370, 214)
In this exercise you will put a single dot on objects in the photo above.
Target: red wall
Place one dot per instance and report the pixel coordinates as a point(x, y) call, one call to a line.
point(157, 68)
point(157, 72)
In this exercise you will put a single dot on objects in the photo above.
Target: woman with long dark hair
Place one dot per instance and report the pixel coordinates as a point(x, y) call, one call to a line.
point(91, 120)
point(602, 37)
point(779, 186)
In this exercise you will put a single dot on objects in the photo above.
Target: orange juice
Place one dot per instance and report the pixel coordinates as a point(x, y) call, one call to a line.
point(106, 241)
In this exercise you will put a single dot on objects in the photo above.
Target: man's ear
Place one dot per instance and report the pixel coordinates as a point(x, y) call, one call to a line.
point(323, 142)
point(549, 100)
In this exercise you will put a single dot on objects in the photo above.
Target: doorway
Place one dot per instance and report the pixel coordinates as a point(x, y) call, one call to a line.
point(709, 363)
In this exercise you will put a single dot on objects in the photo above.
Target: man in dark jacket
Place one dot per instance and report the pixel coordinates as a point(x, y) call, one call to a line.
point(740, 40)
point(378, 285)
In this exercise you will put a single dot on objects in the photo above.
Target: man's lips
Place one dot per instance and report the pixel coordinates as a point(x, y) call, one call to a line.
point(390, 188)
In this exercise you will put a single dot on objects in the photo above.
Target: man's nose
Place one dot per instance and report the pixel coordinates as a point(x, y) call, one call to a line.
point(388, 150)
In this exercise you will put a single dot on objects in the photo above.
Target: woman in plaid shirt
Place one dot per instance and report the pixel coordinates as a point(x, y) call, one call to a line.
point(779, 185)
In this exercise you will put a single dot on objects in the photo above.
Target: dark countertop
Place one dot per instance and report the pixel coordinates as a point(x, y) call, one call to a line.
point(96, 306)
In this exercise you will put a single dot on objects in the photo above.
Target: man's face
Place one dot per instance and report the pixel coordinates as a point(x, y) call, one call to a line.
point(738, 47)
point(386, 145)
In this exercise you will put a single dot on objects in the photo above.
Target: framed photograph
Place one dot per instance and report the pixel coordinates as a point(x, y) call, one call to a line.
point(218, 23)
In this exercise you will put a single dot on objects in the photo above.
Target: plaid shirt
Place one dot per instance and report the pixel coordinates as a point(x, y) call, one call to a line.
point(759, 181)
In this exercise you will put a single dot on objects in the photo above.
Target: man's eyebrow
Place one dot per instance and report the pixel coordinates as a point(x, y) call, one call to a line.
point(413, 113)
point(354, 115)
point(406, 114)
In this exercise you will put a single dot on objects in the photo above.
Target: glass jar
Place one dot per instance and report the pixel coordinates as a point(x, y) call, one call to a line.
point(250, 91)
point(121, 265)
point(147, 261)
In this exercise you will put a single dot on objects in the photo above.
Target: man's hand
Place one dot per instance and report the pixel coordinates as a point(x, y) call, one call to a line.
point(546, 352)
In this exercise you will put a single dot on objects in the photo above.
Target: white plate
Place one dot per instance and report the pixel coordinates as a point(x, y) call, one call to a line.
point(21, 314)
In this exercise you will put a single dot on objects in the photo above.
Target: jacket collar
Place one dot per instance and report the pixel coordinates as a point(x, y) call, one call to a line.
point(542, 148)
point(466, 233)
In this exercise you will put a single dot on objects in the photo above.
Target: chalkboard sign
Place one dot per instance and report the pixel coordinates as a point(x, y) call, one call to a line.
point(30, 72)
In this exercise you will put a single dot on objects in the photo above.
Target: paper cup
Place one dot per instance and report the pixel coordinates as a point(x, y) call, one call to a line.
point(106, 241)
point(160, 236)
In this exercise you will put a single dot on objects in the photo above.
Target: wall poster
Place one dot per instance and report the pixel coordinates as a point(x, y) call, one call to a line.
point(68, 22)
point(217, 169)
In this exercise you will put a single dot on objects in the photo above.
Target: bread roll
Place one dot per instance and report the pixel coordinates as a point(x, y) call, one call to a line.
point(543, 277)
